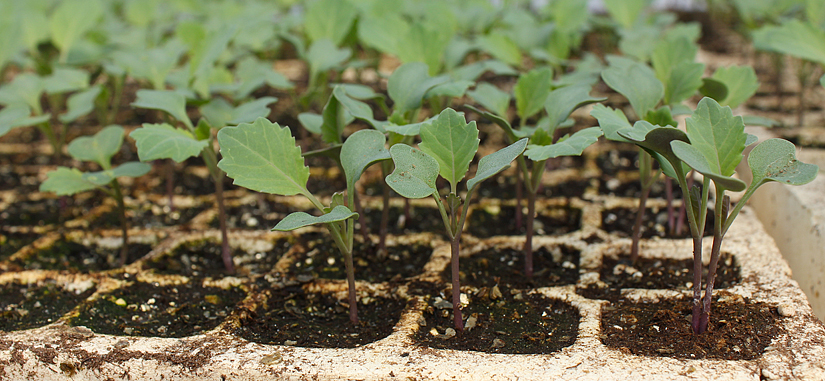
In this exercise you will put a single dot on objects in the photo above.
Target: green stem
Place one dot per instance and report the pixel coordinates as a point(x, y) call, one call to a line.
point(124, 224)
point(211, 159)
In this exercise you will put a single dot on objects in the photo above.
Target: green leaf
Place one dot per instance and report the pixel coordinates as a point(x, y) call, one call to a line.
point(572, 146)
point(300, 219)
point(713, 89)
point(162, 141)
point(718, 135)
point(220, 113)
point(775, 160)
point(755, 120)
point(671, 52)
point(491, 98)
point(408, 84)
point(452, 89)
point(684, 80)
point(636, 81)
point(63, 80)
point(131, 169)
point(412, 129)
point(740, 81)
point(18, 115)
point(563, 101)
point(611, 122)
point(360, 150)
point(656, 141)
point(625, 12)
point(26, 88)
point(472, 71)
point(323, 55)
point(80, 104)
point(496, 162)
point(795, 38)
point(501, 47)
point(531, 91)
point(263, 157)
point(65, 182)
point(312, 122)
point(694, 158)
point(452, 142)
point(98, 148)
point(414, 174)
point(252, 74)
point(164, 100)
point(70, 20)
point(329, 19)
point(356, 108)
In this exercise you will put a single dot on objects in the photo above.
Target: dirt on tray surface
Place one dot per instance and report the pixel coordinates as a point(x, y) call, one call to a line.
point(146, 309)
point(739, 329)
point(621, 221)
point(293, 316)
point(67, 255)
point(202, 258)
point(421, 219)
point(11, 242)
point(500, 323)
point(554, 266)
point(500, 221)
point(147, 216)
point(504, 188)
point(48, 211)
point(25, 306)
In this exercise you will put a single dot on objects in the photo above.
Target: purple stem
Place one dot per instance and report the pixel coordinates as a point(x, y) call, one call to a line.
point(528, 241)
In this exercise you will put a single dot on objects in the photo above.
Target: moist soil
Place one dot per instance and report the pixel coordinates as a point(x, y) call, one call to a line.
point(618, 160)
point(150, 310)
point(292, 316)
point(147, 216)
point(66, 255)
point(500, 221)
point(422, 219)
point(504, 188)
point(738, 329)
point(254, 216)
point(189, 184)
point(44, 212)
point(620, 221)
point(10, 242)
point(510, 323)
point(202, 258)
point(23, 183)
point(25, 306)
point(555, 266)
point(320, 258)
point(633, 189)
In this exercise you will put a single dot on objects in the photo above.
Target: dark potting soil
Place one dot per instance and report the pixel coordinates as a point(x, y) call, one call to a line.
point(556, 266)
point(322, 259)
point(621, 221)
point(144, 309)
point(633, 189)
point(256, 215)
point(527, 324)
point(422, 219)
point(147, 216)
point(504, 188)
point(189, 184)
point(614, 161)
point(25, 306)
point(23, 183)
point(292, 316)
point(738, 330)
point(203, 259)
point(10, 243)
point(500, 221)
point(44, 212)
point(72, 256)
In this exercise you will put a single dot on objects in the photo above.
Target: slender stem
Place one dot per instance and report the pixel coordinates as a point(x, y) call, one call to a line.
point(170, 183)
point(335, 232)
point(671, 214)
point(722, 208)
point(385, 211)
point(637, 225)
point(533, 182)
point(697, 250)
point(211, 159)
point(124, 224)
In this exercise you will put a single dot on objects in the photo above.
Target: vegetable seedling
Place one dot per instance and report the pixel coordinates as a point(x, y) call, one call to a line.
point(713, 146)
point(447, 147)
point(99, 149)
point(263, 157)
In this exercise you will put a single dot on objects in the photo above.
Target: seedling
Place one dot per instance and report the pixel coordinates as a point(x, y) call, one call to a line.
point(164, 141)
point(262, 156)
point(713, 146)
point(447, 147)
point(99, 149)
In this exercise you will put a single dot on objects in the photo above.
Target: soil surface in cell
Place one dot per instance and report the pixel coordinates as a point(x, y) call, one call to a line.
point(147, 216)
point(504, 188)
point(144, 309)
point(322, 259)
point(255, 216)
point(633, 189)
point(25, 306)
point(421, 219)
point(47, 211)
point(500, 221)
point(496, 323)
point(202, 258)
point(72, 256)
point(294, 316)
point(186, 183)
point(654, 224)
point(738, 329)
point(10, 242)
point(553, 266)
point(614, 161)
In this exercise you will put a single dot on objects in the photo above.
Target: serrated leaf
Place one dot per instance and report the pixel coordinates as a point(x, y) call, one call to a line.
point(360, 150)
point(63, 80)
point(220, 113)
point(531, 91)
point(636, 81)
point(80, 104)
point(414, 174)
point(491, 98)
point(263, 157)
point(718, 135)
point(496, 162)
point(164, 100)
point(611, 122)
point(563, 101)
point(162, 141)
point(70, 20)
point(65, 182)
point(741, 84)
point(572, 146)
point(298, 220)
point(98, 148)
point(775, 160)
point(452, 142)
point(408, 84)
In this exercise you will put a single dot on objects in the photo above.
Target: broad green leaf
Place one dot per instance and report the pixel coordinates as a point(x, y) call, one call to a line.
point(452, 142)
point(684, 81)
point(334, 119)
point(755, 120)
point(312, 122)
point(263, 157)
point(625, 12)
point(718, 135)
point(26, 88)
point(63, 80)
point(360, 92)
point(18, 115)
point(452, 89)
point(671, 52)
point(775, 160)
point(356, 108)
point(329, 19)
point(611, 122)
point(472, 71)
point(323, 55)
point(639, 41)
point(386, 33)
point(408, 84)
point(98, 148)
point(80, 104)
point(164, 100)
point(162, 141)
point(412, 129)
point(298, 220)
point(501, 47)
point(713, 89)
point(220, 113)
point(740, 81)
point(491, 98)
point(563, 101)
point(425, 43)
point(496, 162)
point(414, 174)
point(70, 20)
point(360, 150)
point(131, 169)
point(636, 81)
point(531, 91)
point(656, 141)
point(65, 182)
point(661, 116)
point(696, 160)
point(572, 146)
point(252, 74)
point(795, 38)
point(512, 134)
